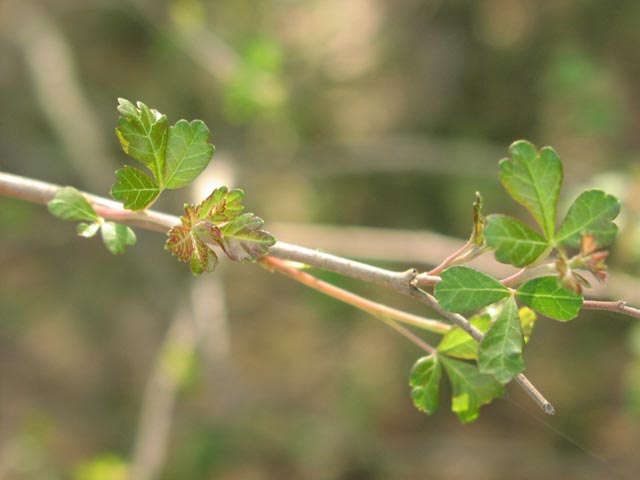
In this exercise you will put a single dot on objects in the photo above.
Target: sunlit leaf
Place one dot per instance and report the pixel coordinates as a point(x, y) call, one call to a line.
point(527, 322)
point(134, 188)
point(463, 289)
point(591, 213)
point(188, 153)
point(500, 352)
point(221, 205)
point(470, 389)
point(425, 383)
point(459, 344)
point(533, 179)
point(88, 230)
point(117, 237)
point(513, 241)
point(69, 204)
point(546, 296)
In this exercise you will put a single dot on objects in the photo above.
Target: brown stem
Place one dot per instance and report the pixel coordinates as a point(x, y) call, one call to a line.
point(619, 306)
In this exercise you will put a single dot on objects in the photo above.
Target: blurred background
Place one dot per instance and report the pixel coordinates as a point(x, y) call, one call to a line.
point(331, 114)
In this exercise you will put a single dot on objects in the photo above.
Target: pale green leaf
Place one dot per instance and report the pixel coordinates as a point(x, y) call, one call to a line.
point(117, 237)
point(463, 289)
point(188, 153)
point(500, 352)
point(459, 344)
point(134, 188)
point(69, 204)
point(533, 179)
point(88, 230)
point(546, 296)
point(470, 389)
point(513, 241)
point(221, 205)
point(142, 132)
point(243, 238)
point(591, 213)
point(425, 383)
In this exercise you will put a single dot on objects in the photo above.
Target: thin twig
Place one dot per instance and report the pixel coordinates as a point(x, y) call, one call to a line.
point(447, 261)
point(619, 306)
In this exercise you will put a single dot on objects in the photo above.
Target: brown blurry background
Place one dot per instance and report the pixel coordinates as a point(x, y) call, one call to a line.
point(338, 113)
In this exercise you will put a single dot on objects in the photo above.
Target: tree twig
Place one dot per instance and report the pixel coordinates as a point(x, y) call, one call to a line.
point(619, 306)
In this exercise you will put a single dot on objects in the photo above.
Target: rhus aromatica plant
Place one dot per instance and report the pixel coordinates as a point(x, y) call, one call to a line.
point(484, 322)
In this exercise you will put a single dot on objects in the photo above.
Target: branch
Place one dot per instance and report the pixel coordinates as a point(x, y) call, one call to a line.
point(619, 306)
point(401, 282)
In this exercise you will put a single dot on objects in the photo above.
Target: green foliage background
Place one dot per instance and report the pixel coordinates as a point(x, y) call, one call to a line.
point(366, 112)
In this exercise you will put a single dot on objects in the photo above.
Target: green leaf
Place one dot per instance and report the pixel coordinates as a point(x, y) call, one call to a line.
point(591, 213)
point(134, 188)
point(500, 352)
point(459, 344)
point(463, 289)
point(425, 383)
point(546, 296)
point(513, 241)
point(533, 179)
point(88, 230)
point(470, 389)
point(243, 239)
point(69, 204)
point(190, 247)
point(142, 132)
point(116, 237)
point(220, 206)
point(188, 153)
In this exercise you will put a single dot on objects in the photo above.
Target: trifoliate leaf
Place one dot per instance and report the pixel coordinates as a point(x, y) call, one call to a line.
point(463, 289)
point(470, 389)
point(116, 237)
point(459, 344)
point(142, 132)
point(513, 241)
point(134, 188)
point(243, 239)
point(220, 206)
point(591, 213)
point(69, 204)
point(546, 296)
point(500, 352)
point(188, 153)
point(533, 179)
point(425, 383)
point(88, 230)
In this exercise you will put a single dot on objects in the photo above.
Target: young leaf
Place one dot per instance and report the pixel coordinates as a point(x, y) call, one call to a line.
point(188, 153)
point(513, 241)
point(591, 213)
point(134, 188)
point(527, 322)
point(500, 352)
point(143, 135)
point(463, 289)
point(425, 383)
point(69, 204)
point(220, 206)
point(189, 247)
point(88, 230)
point(545, 295)
point(116, 237)
point(470, 389)
point(459, 344)
point(243, 239)
point(533, 179)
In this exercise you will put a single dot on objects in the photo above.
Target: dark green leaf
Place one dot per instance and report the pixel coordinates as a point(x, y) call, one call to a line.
point(425, 383)
point(116, 237)
point(134, 188)
point(545, 295)
point(188, 153)
point(69, 204)
point(243, 239)
point(513, 241)
point(500, 352)
point(459, 344)
point(591, 213)
point(143, 135)
point(533, 179)
point(470, 389)
point(463, 289)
